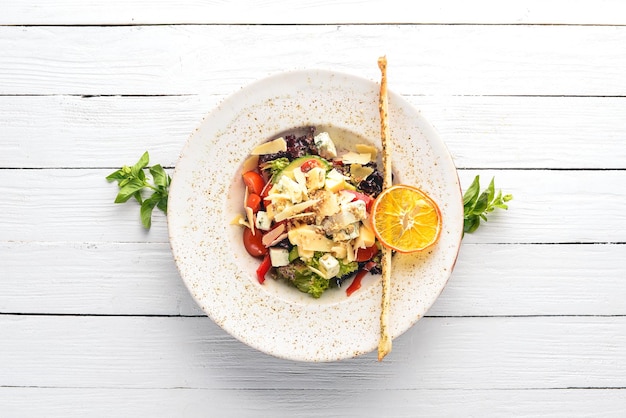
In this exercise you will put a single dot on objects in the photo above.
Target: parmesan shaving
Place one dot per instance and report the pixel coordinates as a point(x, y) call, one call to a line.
point(250, 215)
point(290, 211)
point(356, 158)
point(271, 147)
point(250, 164)
point(367, 149)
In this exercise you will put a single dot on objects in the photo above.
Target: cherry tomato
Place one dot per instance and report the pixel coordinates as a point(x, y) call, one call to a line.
point(364, 254)
point(309, 164)
point(254, 181)
point(254, 243)
point(254, 202)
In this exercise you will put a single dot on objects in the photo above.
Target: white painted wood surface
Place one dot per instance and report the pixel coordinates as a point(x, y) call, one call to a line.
point(94, 318)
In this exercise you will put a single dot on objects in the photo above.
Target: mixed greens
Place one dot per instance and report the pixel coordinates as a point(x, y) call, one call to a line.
point(306, 211)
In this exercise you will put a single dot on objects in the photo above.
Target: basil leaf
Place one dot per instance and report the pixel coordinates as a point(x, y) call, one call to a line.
point(476, 206)
point(471, 194)
point(137, 196)
point(146, 210)
point(159, 176)
point(482, 203)
point(491, 190)
point(129, 190)
point(116, 175)
point(162, 204)
point(471, 224)
point(132, 182)
point(141, 164)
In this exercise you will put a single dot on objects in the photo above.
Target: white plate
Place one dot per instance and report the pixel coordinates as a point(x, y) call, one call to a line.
point(207, 191)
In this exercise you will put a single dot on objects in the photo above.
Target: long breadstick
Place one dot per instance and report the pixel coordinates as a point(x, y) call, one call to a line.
point(384, 344)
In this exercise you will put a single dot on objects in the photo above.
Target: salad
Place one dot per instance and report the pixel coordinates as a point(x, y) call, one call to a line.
point(306, 212)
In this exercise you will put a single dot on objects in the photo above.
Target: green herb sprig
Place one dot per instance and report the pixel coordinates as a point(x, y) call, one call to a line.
point(477, 205)
point(133, 182)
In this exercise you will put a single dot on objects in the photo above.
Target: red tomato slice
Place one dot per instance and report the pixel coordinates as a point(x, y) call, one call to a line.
point(310, 164)
point(254, 202)
point(254, 243)
point(254, 181)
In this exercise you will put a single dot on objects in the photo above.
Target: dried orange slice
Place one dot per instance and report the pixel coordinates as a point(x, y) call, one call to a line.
point(405, 219)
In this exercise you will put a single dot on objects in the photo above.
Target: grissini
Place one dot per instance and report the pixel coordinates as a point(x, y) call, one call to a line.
point(384, 343)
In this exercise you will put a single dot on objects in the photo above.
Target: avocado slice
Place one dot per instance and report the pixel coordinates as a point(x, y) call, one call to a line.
point(288, 171)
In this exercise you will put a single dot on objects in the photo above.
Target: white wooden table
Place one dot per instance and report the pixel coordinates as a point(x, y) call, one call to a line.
point(94, 318)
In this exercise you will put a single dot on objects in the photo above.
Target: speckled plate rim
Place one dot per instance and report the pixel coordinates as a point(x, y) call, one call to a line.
point(206, 192)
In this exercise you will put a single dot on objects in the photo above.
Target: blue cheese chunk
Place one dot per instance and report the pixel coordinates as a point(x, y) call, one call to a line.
point(350, 213)
point(325, 145)
point(350, 232)
point(288, 187)
point(315, 178)
point(263, 221)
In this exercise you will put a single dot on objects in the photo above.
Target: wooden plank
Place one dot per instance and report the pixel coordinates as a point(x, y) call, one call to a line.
point(548, 207)
point(71, 205)
point(437, 353)
point(103, 131)
point(324, 402)
point(523, 132)
point(248, 11)
point(535, 280)
point(92, 278)
point(424, 59)
point(141, 279)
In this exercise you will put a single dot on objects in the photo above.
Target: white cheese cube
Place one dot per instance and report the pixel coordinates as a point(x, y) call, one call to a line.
point(329, 266)
point(325, 145)
point(263, 221)
point(279, 257)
